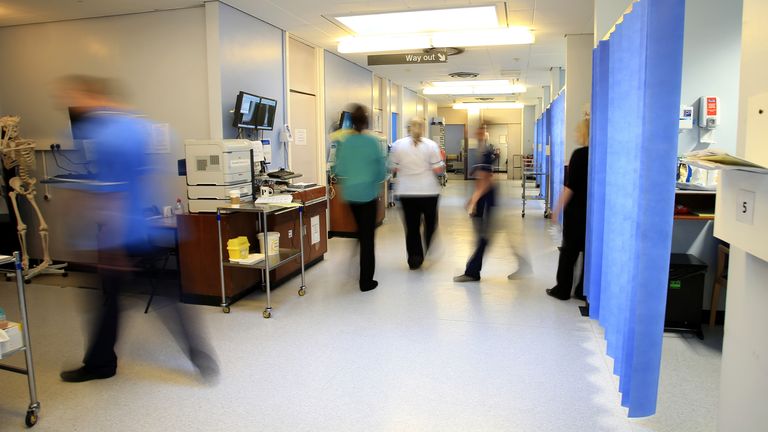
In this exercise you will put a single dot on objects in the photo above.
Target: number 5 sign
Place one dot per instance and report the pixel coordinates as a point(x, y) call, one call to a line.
point(746, 206)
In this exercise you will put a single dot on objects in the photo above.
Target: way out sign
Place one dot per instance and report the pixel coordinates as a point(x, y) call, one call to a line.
point(407, 58)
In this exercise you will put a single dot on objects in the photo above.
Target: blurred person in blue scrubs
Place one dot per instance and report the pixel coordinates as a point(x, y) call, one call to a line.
point(119, 141)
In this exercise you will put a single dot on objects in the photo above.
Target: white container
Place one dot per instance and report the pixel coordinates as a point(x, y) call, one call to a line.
point(272, 251)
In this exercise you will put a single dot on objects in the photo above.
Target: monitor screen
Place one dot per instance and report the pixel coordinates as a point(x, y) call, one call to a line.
point(265, 118)
point(246, 109)
point(345, 121)
point(77, 123)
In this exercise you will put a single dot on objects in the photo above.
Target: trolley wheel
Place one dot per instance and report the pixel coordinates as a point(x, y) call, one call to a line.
point(267, 314)
point(65, 274)
point(27, 281)
point(523, 214)
point(31, 418)
point(225, 309)
point(302, 291)
point(7, 278)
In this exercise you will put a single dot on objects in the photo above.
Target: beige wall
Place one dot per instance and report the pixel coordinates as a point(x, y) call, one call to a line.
point(453, 116)
point(502, 116)
point(160, 58)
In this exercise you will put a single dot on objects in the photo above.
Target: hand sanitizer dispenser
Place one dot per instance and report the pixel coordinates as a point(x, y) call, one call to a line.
point(709, 112)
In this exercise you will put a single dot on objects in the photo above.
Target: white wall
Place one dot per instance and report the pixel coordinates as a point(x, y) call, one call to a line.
point(529, 125)
point(607, 12)
point(744, 377)
point(160, 58)
point(578, 84)
point(251, 59)
point(411, 103)
point(711, 64)
point(345, 83)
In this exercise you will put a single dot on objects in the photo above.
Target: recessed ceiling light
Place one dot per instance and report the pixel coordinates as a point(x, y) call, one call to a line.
point(480, 87)
point(488, 105)
point(418, 21)
point(410, 41)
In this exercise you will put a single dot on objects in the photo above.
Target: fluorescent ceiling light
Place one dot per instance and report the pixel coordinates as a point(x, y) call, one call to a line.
point(423, 20)
point(490, 37)
point(488, 105)
point(354, 44)
point(448, 90)
point(470, 82)
point(474, 88)
point(402, 42)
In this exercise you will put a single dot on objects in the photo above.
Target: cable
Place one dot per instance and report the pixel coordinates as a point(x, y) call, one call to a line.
point(56, 160)
point(71, 161)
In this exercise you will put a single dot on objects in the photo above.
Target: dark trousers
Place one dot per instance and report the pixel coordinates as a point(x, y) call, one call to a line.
point(414, 208)
point(118, 268)
point(365, 218)
point(574, 236)
point(482, 224)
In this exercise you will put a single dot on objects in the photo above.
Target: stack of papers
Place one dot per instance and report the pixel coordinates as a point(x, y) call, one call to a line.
point(718, 159)
point(253, 258)
point(276, 199)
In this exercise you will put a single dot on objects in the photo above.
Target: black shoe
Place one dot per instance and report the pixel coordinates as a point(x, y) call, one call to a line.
point(369, 286)
point(552, 293)
point(83, 374)
point(415, 263)
point(581, 297)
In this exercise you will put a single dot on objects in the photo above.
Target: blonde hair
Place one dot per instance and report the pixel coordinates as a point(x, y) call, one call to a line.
point(416, 124)
point(582, 131)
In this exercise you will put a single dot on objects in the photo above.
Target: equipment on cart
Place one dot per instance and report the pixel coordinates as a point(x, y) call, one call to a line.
point(18, 341)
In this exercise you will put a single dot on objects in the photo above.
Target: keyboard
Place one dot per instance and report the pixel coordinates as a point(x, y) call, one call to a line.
point(76, 176)
point(275, 199)
point(281, 174)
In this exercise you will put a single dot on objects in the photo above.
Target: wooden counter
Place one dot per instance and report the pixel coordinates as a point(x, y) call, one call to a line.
point(199, 259)
point(342, 221)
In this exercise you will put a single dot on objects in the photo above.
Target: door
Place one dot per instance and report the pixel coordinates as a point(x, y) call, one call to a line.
point(304, 148)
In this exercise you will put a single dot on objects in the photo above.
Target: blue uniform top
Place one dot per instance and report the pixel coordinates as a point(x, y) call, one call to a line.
point(361, 167)
point(120, 141)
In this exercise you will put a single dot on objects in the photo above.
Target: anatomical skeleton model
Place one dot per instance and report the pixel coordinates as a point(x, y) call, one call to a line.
point(19, 154)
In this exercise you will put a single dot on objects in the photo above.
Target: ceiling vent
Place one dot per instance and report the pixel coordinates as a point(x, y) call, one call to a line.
point(510, 73)
point(464, 75)
point(451, 51)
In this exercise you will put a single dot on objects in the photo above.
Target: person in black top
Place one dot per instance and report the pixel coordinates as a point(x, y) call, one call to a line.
point(480, 207)
point(573, 200)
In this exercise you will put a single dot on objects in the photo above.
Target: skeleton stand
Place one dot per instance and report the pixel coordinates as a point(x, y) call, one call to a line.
point(19, 154)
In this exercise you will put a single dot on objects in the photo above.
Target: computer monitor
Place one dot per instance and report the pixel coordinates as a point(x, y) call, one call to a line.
point(76, 123)
point(246, 109)
point(265, 118)
point(345, 121)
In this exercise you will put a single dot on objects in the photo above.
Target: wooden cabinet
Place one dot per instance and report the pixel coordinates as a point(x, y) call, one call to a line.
point(199, 259)
point(342, 222)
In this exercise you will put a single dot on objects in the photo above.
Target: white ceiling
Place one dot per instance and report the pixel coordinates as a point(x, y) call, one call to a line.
point(311, 20)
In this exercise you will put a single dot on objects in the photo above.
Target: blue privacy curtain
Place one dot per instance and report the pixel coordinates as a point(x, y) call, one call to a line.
point(557, 147)
point(632, 162)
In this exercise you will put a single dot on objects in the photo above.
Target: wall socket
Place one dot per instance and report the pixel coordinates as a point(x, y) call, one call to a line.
point(290, 233)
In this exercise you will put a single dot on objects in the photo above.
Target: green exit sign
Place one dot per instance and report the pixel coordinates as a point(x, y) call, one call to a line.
point(675, 284)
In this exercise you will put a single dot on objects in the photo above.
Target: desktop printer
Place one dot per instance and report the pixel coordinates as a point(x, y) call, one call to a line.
point(216, 167)
point(218, 162)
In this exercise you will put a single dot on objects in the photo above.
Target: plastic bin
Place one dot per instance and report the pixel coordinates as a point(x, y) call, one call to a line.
point(685, 294)
point(238, 247)
point(272, 251)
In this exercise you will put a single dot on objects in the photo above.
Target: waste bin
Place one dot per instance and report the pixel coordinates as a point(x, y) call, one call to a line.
point(685, 294)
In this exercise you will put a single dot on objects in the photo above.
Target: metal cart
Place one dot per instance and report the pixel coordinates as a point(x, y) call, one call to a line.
point(540, 178)
point(265, 266)
point(34, 405)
